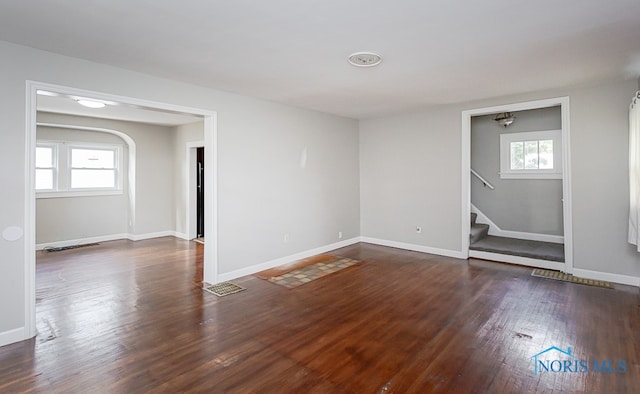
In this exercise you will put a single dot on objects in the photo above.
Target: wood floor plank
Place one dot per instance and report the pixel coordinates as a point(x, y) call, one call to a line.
point(131, 317)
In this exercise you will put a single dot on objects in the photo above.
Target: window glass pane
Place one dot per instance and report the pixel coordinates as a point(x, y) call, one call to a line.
point(517, 155)
point(92, 158)
point(44, 156)
point(530, 155)
point(85, 179)
point(546, 154)
point(44, 179)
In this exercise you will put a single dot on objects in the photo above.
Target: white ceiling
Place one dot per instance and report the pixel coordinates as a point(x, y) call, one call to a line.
point(295, 52)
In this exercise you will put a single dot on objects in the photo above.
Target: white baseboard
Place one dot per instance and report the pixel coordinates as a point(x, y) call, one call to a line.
point(81, 241)
point(112, 237)
point(506, 258)
point(498, 232)
point(284, 260)
point(416, 248)
point(181, 236)
point(605, 276)
point(140, 237)
point(12, 336)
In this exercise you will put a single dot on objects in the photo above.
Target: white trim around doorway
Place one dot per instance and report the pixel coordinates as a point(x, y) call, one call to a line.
point(210, 268)
point(563, 102)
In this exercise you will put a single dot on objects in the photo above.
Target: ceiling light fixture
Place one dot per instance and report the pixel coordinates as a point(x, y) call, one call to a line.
point(504, 119)
point(365, 59)
point(46, 93)
point(91, 103)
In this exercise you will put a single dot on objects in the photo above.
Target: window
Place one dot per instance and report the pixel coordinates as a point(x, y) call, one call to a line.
point(65, 169)
point(46, 167)
point(93, 168)
point(531, 155)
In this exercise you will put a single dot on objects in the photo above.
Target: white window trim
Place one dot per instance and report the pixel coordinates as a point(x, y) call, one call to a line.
point(505, 155)
point(62, 177)
point(80, 193)
point(117, 166)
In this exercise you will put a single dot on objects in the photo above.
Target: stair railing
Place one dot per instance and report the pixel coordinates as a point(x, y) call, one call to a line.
point(484, 181)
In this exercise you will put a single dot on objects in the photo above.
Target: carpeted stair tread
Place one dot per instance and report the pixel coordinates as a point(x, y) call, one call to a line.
point(478, 231)
point(520, 247)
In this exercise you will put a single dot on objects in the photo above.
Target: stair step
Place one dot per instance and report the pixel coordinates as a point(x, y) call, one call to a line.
point(478, 231)
point(519, 247)
point(474, 216)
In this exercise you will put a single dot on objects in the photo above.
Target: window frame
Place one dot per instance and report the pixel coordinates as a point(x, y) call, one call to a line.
point(505, 155)
point(63, 152)
point(54, 165)
point(117, 151)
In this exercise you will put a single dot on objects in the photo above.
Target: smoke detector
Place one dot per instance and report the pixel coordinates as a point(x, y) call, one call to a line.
point(365, 59)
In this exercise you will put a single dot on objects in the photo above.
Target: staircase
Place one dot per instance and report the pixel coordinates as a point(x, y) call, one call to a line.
point(478, 230)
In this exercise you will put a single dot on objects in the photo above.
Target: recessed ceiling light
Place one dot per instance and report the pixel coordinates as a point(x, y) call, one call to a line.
point(91, 103)
point(365, 59)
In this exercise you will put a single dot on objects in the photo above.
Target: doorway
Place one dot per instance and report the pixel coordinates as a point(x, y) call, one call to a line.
point(200, 193)
point(210, 271)
point(467, 171)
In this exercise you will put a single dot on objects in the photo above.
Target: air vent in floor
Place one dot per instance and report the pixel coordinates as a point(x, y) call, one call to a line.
point(223, 289)
point(61, 248)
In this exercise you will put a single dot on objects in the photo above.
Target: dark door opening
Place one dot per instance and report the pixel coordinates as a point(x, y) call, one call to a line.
point(200, 193)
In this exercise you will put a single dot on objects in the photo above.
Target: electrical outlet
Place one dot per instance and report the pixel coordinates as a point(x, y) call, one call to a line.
point(339, 234)
point(418, 229)
point(285, 239)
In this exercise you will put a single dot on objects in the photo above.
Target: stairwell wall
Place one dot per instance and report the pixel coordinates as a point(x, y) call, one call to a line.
point(523, 205)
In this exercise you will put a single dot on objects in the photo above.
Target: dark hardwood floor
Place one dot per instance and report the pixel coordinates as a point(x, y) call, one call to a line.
point(131, 317)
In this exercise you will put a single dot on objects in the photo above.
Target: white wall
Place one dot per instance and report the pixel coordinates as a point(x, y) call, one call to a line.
point(410, 174)
point(600, 160)
point(263, 191)
point(155, 179)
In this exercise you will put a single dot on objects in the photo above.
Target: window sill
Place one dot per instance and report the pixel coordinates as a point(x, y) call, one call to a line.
point(85, 193)
point(531, 175)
